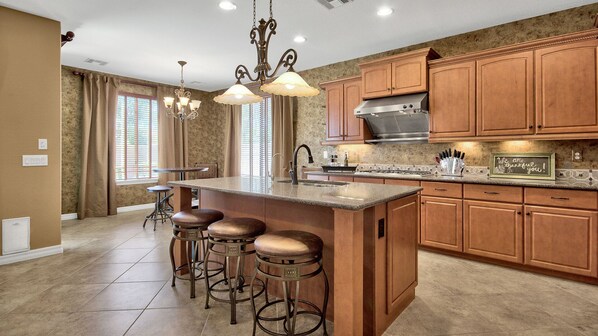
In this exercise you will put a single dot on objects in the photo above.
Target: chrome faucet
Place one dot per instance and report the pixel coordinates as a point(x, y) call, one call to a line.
point(294, 169)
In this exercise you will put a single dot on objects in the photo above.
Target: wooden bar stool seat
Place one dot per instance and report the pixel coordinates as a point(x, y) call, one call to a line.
point(231, 238)
point(189, 227)
point(289, 257)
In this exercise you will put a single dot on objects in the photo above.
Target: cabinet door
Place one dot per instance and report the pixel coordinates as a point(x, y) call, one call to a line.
point(493, 230)
point(354, 127)
point(442, 223)
point(566, 99)
point(409, 76)
point(561, 240)
point(452, 101)
point(505, 94)
point(334, 112)
point(340, 178)
point(401, 250)
point(376, 80)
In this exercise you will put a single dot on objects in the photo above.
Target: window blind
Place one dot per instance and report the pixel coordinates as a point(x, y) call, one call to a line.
point(136, 137)
point(256, 138)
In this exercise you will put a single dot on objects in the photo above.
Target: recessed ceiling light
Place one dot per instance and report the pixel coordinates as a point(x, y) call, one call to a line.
point(385, 11)
point(299, 39)
point(227, 5)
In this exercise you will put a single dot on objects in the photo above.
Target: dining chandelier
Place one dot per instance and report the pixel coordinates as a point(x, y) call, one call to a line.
point(186, 109)
point(288, 84)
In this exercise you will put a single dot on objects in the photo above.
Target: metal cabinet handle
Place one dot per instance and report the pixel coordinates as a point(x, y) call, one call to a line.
point(440, 189)
point(491, 193)
point(560, 198)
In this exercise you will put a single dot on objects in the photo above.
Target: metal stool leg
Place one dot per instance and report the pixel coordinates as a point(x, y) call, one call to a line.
point(172, 241)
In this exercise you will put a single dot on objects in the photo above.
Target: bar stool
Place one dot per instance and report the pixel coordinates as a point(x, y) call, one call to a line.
point(289, 256)
point(158, 214)
point(189, 227)
point(230, 238)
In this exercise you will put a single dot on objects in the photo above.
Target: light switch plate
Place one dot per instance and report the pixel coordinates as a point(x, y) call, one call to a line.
point(42, 144)
point(35, 160)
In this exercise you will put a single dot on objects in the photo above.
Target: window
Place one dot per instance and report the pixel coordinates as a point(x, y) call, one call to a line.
point(256, 138)
point(136, 138)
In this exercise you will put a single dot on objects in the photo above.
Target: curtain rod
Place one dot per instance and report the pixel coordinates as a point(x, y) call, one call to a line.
point(82, 74)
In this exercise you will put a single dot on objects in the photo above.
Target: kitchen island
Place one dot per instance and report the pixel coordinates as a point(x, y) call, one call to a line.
point(369, 233)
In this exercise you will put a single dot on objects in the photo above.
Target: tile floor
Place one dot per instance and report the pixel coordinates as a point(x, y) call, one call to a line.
point(113, 280)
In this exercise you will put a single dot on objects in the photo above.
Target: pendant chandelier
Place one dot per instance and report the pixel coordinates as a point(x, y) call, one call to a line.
point(186, 109)
point(288, 84)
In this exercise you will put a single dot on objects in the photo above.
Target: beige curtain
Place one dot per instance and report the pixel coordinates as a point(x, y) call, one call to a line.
point(97, 191)
point(283, 139)
point(172, 139)
point(232, 147)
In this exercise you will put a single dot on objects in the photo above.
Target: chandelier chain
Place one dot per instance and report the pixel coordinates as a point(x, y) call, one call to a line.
point(271, 9)
point(254, 26)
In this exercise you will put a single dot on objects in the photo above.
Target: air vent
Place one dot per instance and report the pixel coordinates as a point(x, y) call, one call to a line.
point(332, 4)
point(91, 61)
point(196, 82)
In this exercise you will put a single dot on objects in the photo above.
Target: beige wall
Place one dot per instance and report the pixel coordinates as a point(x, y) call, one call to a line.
point(311, 127)
point(205, 138)
point(30, 109)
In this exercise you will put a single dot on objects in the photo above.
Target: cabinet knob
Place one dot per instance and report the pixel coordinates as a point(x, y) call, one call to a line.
point(539, 126)
point(519, 212)
point(531, 126)
point(423, 202)
point(528, 214)
point(388, 89)
point(393, 88)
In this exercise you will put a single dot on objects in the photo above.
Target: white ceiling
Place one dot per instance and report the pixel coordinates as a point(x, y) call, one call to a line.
point(145, 38)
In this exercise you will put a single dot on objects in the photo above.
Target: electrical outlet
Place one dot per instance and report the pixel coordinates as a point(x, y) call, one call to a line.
point(325, 154)
point(42, 144)
point(576, 155)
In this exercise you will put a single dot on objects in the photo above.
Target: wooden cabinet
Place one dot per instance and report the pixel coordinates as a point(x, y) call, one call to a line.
point(493, 230)
point(505, 94)
point(442, 223)
point(566, 84)
point(452, 100)
point(562, 240)
point(396, 75)
point(340, 178)
point(342, 97)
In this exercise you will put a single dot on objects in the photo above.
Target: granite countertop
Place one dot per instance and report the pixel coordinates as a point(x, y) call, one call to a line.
point(559, 183)
point(351, 196)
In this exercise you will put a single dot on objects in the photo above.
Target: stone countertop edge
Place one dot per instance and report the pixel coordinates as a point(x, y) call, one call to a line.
point(558, 184)
point(366, 203)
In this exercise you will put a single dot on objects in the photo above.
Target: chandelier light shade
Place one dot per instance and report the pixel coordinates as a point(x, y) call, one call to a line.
point(238, 94)
point(288, 84)
point(186, 109)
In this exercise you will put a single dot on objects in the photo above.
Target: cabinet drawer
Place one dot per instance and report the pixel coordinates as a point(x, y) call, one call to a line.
point(340, 178)
point(496, 193)
point(576, 199)
point(443, 189)
point(368, 180)
point(409, 183)
point(317, 177)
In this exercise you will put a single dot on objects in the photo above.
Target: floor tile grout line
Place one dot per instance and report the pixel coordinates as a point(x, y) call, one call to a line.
point(144, 309)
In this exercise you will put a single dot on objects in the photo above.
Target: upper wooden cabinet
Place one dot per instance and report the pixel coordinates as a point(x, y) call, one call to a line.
point(566, 78)
point(396, 75)
point(452, 100)
point(505, 94)
point(342, 127)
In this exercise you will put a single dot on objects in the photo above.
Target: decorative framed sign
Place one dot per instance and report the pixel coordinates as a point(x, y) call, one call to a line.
point(536, 166)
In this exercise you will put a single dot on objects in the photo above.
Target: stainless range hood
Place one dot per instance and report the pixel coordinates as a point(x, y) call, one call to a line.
point(401, 119)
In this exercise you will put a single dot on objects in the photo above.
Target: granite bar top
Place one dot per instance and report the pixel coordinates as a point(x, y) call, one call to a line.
point(350, 196)
point(476, 179)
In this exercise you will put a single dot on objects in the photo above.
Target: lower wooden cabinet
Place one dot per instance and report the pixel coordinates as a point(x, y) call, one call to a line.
point(442, 223)
point(562, 240)
point(340, 178)
point(493, 230)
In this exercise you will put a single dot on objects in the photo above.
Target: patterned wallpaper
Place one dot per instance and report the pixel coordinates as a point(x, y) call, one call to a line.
point(311, 127)
point(206, 135)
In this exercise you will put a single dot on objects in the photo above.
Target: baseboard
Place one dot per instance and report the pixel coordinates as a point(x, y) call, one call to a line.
point(31, 254)
point(130, 208)
point(135, 207)
point(68, 216)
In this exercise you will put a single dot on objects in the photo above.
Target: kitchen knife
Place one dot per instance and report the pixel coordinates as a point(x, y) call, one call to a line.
point(462, 155)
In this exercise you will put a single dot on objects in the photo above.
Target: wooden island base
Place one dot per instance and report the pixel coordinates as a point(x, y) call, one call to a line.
point(370, 255)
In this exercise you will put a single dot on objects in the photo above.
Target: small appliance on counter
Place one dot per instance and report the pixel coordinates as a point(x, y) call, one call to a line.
point(451, 162)
point(339, 169)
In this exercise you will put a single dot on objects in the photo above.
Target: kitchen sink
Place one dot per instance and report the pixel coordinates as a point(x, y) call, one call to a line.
point(313, 183)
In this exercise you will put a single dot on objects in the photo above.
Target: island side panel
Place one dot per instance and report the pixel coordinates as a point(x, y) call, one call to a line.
point(348, 272)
